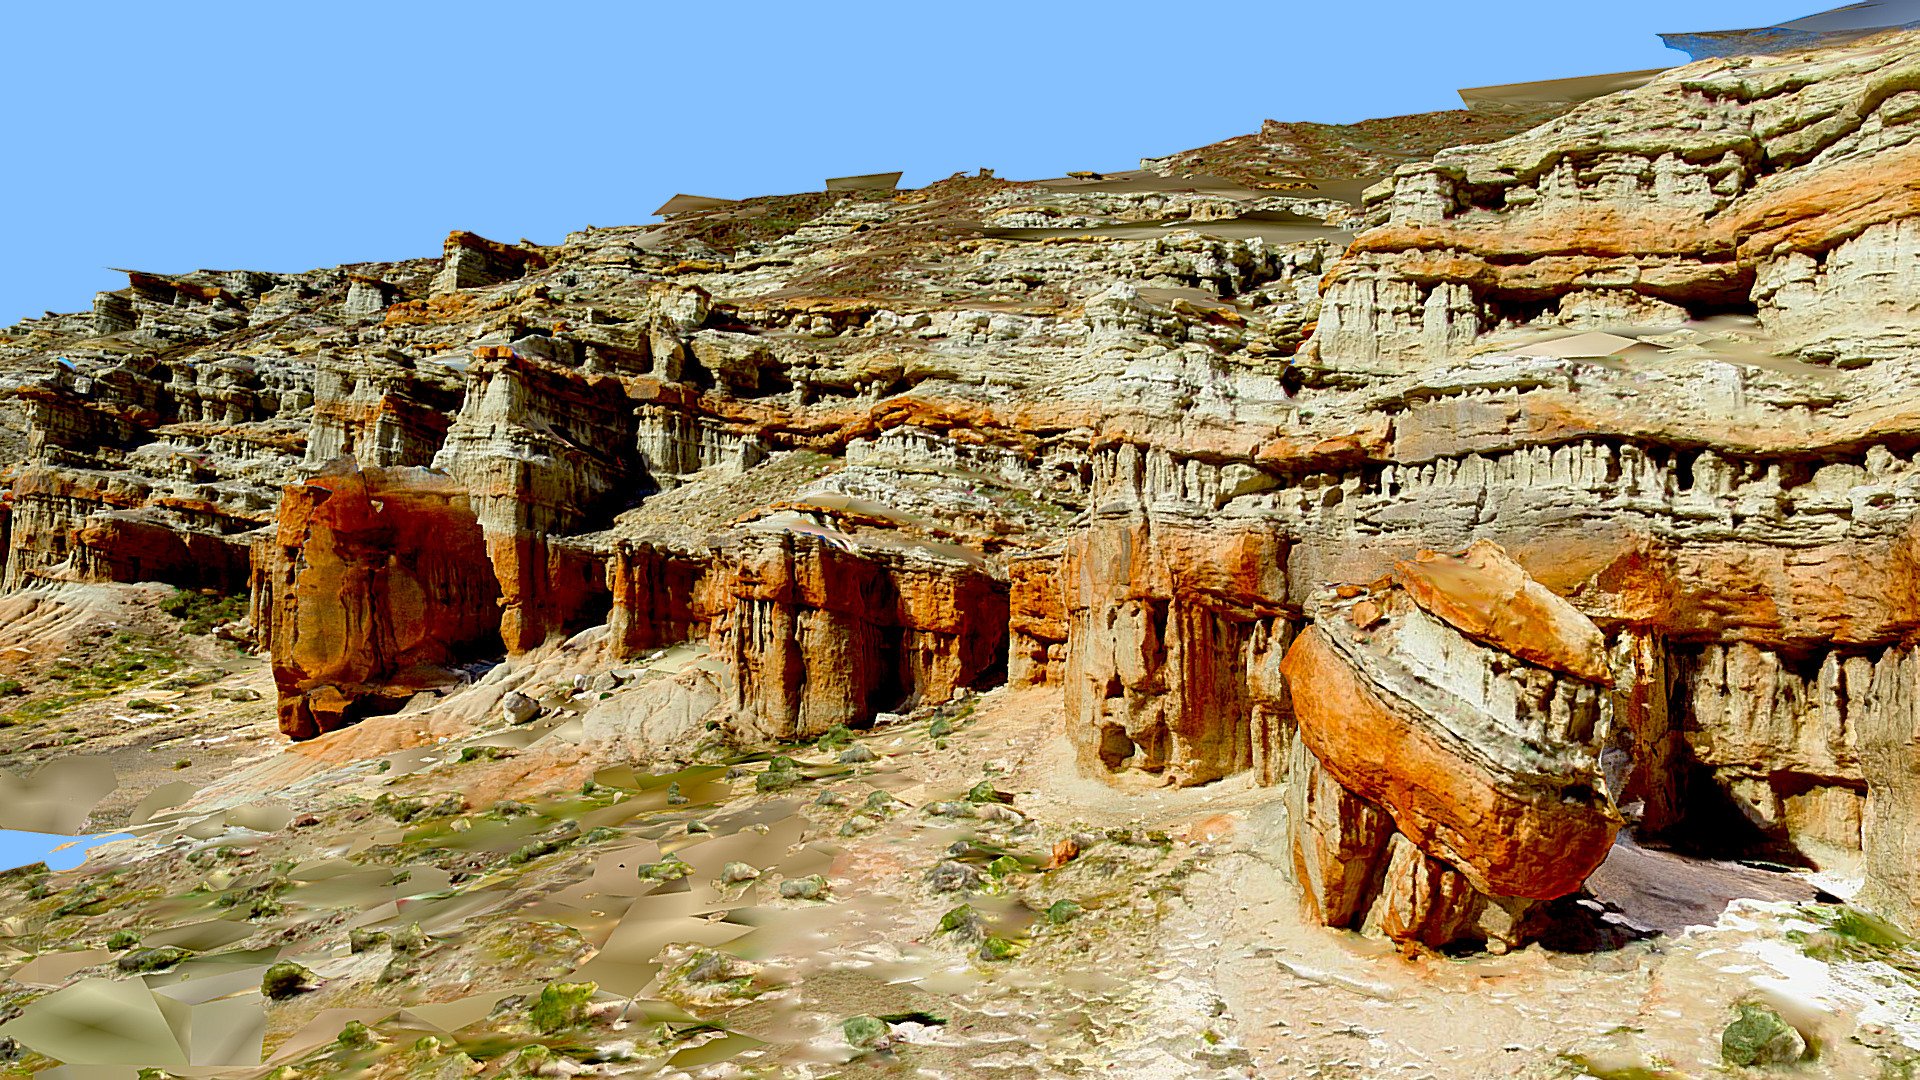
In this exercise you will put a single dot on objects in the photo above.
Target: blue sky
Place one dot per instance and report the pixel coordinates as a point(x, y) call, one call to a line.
point(21, 848)
point(169, 137)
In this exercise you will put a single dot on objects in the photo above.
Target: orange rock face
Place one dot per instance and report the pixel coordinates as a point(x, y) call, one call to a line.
point(1174, 637)
point(543, 450)
point(1510, 842)
point(1488, 597)
point(379, 580)
point(815, 635)
point(1466, 702)
point(1037, 621)
point(654, 594)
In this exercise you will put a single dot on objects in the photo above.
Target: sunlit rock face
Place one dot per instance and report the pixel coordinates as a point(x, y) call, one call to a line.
point(1775, 191)
point(542, 450)
point(1174, 633)
point(1447, 767)
point(1114, 439)
point(815, 635)
point(379, 581)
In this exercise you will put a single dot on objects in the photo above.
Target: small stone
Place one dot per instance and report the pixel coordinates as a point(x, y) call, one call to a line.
point(1761, 1037)
point(1063, 911)
point(999, 814)
point(857, 755)
point(859, 823)
point(812, 887)
point(519, 708)
point(736, 872)
point(951, 809)
point(940, 728)
point(1064, 852)
point(411, 940)
point(983, 792)
point(880, 800)
point(952, 876)
point(832, 798)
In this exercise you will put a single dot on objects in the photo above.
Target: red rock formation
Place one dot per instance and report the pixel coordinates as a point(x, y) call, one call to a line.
point(1487, 765)
point(1037, 621)
point(654, 598)
point(1173, 631)
point(815, 634)
point(379, 581)
point(72, 525)
point(542, 450)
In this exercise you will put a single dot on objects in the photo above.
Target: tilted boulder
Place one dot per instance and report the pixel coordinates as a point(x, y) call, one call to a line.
point(1415, 706)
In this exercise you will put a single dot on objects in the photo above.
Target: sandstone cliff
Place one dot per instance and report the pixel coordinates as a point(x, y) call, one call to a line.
point(1116, 436)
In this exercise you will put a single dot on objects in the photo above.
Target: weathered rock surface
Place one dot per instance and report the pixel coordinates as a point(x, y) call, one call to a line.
point(1781, 191)
point(1486, 764)
point(1116, 436)
point(1174, 634)
point(817, 635)
point(378, 581)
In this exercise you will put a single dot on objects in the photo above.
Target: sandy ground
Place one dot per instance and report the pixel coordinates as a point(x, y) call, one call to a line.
point(1182, 952)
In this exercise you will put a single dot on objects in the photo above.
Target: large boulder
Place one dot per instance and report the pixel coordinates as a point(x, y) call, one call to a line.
point(1485, 762)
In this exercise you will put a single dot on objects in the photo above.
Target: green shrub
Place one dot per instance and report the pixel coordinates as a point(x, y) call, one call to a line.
point(863, 1031)
point(200, 612)
point(145, 960)
point(285, 979)
point(561, 1006)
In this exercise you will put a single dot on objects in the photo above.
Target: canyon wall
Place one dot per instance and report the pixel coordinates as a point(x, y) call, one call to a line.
point(1648, 367)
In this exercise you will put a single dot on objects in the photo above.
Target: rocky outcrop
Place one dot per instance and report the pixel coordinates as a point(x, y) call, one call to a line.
point(1486, 761)
point(656, 598)
point(542, 450)
point(469, 260)
point(380, 414)
point(378, 582)
point(1174, 636)
point(1037, 621)
point(1068, 432)
point(817, 631)
point(1780, 192)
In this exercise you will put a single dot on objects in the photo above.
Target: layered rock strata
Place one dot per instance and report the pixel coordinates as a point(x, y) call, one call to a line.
point(1116, 435)
point(817, 633)
point(1460, 709)
point(1174, 634)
